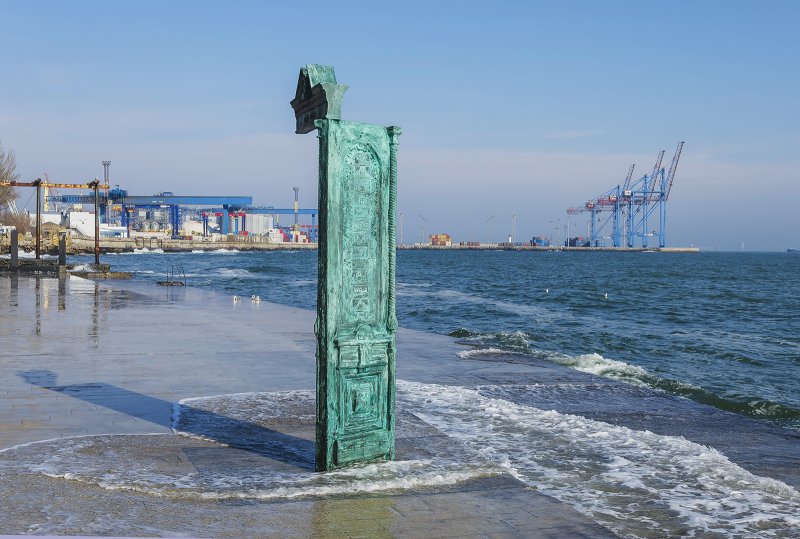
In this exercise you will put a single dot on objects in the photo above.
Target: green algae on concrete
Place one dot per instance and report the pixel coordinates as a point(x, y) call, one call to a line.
point(356, 321)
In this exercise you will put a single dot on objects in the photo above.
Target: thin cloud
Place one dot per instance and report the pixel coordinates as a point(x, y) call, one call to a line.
point(574, 134)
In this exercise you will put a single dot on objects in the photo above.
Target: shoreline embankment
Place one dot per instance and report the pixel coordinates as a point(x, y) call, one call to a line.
point(85, 245)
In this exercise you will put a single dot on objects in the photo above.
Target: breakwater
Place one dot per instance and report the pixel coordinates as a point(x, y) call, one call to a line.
point(511, 247)
point(85, 245)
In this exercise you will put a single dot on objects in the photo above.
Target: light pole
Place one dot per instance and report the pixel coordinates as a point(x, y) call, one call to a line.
point(513, 227)
point(296, 221)
point(106, 164)
point(96, 185)
point(558, 232)
point(38, 184)
point(569, 229)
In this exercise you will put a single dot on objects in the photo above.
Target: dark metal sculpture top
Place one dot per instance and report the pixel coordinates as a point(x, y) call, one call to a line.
point(317, 97)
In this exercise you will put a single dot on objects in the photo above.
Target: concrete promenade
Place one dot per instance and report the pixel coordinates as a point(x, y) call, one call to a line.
point(79, 359)
point(83, 359)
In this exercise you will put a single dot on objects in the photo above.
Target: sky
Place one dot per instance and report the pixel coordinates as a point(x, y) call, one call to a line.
point(507, 108)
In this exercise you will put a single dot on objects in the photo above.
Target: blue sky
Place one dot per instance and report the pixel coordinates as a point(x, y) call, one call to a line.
point(521, 108)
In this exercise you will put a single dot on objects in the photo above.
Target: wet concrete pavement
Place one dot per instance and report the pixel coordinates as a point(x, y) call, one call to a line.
point(81, 359)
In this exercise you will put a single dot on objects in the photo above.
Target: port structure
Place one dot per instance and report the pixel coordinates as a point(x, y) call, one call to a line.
point(40, 185)
point(130, 204)
point(225, 213)
point(229, 211)
point(624, 213)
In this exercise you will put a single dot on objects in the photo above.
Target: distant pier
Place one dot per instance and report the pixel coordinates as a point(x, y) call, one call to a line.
point(85, 245)
point(511, 247)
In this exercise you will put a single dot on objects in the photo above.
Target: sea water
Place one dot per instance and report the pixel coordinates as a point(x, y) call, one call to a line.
point(719, 328)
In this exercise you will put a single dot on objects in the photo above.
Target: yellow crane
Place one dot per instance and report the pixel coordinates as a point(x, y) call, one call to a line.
point(38, 184)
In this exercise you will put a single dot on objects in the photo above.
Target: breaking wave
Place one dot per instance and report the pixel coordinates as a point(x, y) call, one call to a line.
point(235, 273)
point(517, 346)
point(637, 483)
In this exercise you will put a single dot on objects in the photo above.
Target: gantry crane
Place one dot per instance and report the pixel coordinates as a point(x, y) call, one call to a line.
point(630, 206)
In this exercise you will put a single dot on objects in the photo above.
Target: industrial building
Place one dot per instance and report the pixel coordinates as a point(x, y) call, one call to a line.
point(168, 215)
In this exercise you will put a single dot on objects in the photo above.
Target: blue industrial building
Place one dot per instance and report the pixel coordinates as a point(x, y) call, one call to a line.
point(228, 212)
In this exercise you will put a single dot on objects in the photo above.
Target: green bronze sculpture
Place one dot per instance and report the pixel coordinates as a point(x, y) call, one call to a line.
point(356, 321)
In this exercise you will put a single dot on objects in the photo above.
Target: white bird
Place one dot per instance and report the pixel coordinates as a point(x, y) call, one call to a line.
point(235, 299)
point(546, 290)
point(253, 297)
point(605, 296)
point(257, 299)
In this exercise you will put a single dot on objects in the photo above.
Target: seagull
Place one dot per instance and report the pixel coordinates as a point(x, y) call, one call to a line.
point(257, 299)
point(546, 290)
point(235, 299)
point(253, 297)
point(605, 296)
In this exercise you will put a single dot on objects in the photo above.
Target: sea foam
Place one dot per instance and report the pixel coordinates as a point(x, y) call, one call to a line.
point(637, 483)
point(235, 273)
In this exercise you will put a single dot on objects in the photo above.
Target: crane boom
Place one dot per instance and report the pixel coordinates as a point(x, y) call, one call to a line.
point(628, 178)
point(672, 167)
point(37, 182)
point(651, 186)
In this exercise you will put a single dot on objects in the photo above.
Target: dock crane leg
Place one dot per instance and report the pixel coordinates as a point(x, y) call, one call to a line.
point(645, 211)
point(617, 239)
point(176, 220)
point(629, 223)
point(314, 228)
point(662, 202)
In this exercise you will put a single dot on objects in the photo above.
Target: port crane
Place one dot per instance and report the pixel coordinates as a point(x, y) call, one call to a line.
point(39, 184)
point(623, 213)
point(610, 202)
